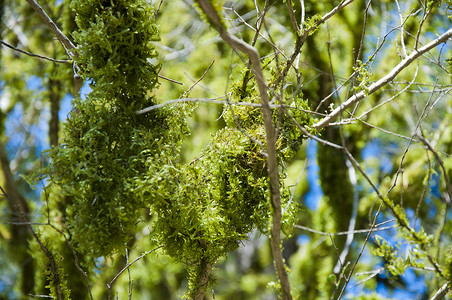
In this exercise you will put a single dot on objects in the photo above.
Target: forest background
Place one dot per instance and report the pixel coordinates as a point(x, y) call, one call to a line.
point(219, 149)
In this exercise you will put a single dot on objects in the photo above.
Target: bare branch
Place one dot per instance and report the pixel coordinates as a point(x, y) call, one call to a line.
point(52, 26)
point(351, 226)
point(110, 285)
point(383, 81)
point(64, 61)
point(171, 80)
point(303, 13)
point(292, 15)
point(257, 30)
point(372, 273)
point(402, 23)
point(304, 35)
point(205, 100)
point(424, 17)
point(201, 78)
point(295, 186)
point(442, 291)
point(314, 137)
point(347, 232)
point(441, 163)
point(158, 9)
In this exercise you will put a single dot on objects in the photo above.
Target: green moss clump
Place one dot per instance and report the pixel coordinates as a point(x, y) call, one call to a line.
point(114, 163)
point(107, 148)
point(115, 46)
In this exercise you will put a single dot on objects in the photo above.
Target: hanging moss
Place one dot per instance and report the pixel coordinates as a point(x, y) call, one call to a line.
point(114, 39)
point(113, 163)
point(106, 146)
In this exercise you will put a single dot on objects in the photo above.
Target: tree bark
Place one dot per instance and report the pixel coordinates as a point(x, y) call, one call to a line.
point(206, 270)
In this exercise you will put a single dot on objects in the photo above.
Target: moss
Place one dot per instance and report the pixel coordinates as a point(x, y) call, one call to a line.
point(106, 145)
point(113, 163)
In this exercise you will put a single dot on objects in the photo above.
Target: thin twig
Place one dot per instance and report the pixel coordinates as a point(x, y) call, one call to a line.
point(347, 232)
point(418, 124)
point(52, 26)
point(292, 15)
point(352, 76)
point(303, 14)
point(76, 260)
point(64, 61)
point(402, 41)
point(257, 31)
point(383, 81)
point(363, 33)
point(197, 81)
point(128, 272)
point(295, 186)
point(171, 80)
point(418, 34)
point(441, 163)
point(305, 33)
point(110, 285)
point(390, 99)
point(68, 243)
point(41, 296)
point(351, 226)
point(372, 273)
point(215, 101)
point(314, 137)
point(158, 9)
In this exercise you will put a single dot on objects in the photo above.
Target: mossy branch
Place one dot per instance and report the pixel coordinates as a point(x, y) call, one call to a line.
point(272, 165)
point(203, 279)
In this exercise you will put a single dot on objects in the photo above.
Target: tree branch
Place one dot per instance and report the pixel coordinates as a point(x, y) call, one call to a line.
point(110, 285)
point(442, 291)
point(292, 16)
point(441, 163)
point(52, 26)
point(64, 61)
point(62, 38)
point(383, 81)
point(272, 165)
point(304, 35)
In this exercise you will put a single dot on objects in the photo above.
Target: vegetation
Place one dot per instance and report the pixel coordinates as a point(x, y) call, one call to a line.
point(185, 166)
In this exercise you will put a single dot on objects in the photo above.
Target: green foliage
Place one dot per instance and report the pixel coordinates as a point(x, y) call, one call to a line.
point(114, 39)
point(99, 165)
point(364, 76)
point(114, 163)
point(113, 167)
point(448, 264)
point(393, 262)
point(313, 22)
point(249, 118)
point(106, 145)
point(208, 206)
